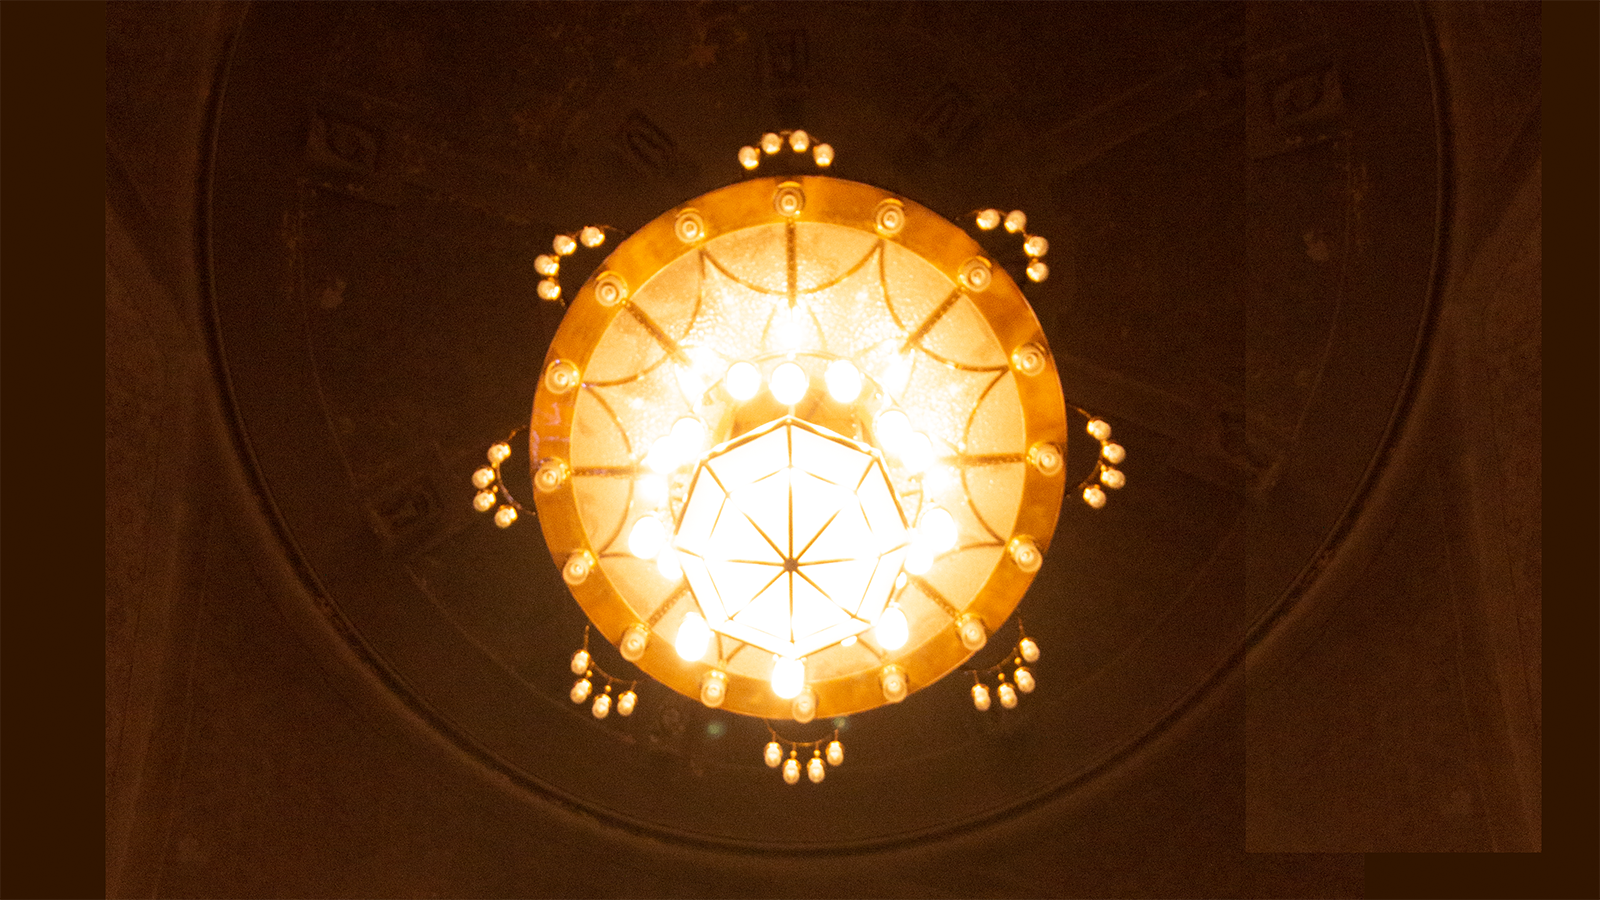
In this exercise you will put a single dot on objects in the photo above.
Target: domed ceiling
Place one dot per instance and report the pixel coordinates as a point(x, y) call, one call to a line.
point(1243, 205)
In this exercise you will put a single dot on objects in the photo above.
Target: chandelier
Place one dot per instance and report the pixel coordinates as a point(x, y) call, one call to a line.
point(798, 450)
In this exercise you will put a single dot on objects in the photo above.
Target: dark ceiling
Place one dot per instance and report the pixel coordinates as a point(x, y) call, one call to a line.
point(1253, 211)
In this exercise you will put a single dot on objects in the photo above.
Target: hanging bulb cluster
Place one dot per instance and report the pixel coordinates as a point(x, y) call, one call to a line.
point(549, 264)
point(491, 491)
point(1016, 222)
point(1105, 473)
point(774, 141)
point(1025, 653)
point(588, 673)
point(819, 755)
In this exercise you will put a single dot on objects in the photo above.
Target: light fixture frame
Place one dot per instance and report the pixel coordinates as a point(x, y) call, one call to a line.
point(835, 201)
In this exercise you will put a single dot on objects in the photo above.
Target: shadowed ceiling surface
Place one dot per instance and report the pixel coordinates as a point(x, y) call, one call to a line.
point(1244, 208)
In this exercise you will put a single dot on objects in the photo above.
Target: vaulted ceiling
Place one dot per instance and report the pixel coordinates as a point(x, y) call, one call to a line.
point(1286, 241)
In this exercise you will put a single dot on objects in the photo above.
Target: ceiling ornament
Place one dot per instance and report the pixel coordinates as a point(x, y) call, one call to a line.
point(798, 449)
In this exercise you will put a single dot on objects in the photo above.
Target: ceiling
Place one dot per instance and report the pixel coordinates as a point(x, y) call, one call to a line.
point(1247, 209)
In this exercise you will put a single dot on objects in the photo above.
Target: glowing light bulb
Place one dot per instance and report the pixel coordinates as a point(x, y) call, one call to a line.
point(892, 629)
point(561, 377)
point(788, 383)
point(771, 143)
point(989, 219)
point(1099, 429)
point(661, 456)
point(634, 641)
point(714, 688)
point(799, 141)
point(823, 154)
point(1029, 359)
point(688, 438)
point(580, 662)
point(844, 381)
point(1028, 649)
point(626, 703)
point(743, 381)
point(564, 244)
point(937, 529)
point(693, 637)
point(647, 537)
point(895, 375)
point(890, 218)
point(689, 226)
point(580, 690)
point(815, 770)
point(483, 501)
point(1035, 246)
point(499, 452)
point(551, 475)
point(892, 428)
point(919, 559)
point(916, 451)
point(975, 274)
point(1112, 478)
point(1095, 497)
point(610, 289)
point(773, 754)
point(835, 753)
point(1113, 453)
point(972, 633)
point(980, 697)
point(1016, 221)
point(1025, 553)
point(1008, 696)
point(1038, 271)
point(788, 200)
point(668, 564)
point(791, 771)
point(578, 567)
point(483, 478)
point(788, 676)
point(749, 157)
point(602, 706)
point(1046, 457)
point(591, 236)
point(545, 264)
point(505, 516)
point(892, 679)
point(1025, 682)
point(804, 707)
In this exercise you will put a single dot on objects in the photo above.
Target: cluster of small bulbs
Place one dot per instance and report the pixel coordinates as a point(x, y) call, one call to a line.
point(1024, 653)
point(1016, 222)
point(825, 748)
point(935, 531)
point(774, 141)
point(1105, 472)
point(549, 265)
point(492, 493)
point(583, 666)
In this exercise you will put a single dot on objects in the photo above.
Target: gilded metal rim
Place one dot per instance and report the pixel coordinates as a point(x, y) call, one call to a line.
point(837, 202)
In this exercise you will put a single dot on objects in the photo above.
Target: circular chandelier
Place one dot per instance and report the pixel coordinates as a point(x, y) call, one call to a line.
point(798, 449)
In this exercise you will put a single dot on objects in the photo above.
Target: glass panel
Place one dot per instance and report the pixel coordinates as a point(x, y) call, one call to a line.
point(963, 337)
point(998, 426)
point(672, 296)
point(825, 253)
point(960, 573)
point(626, 349)
point(597, 437)
point(915, 287)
